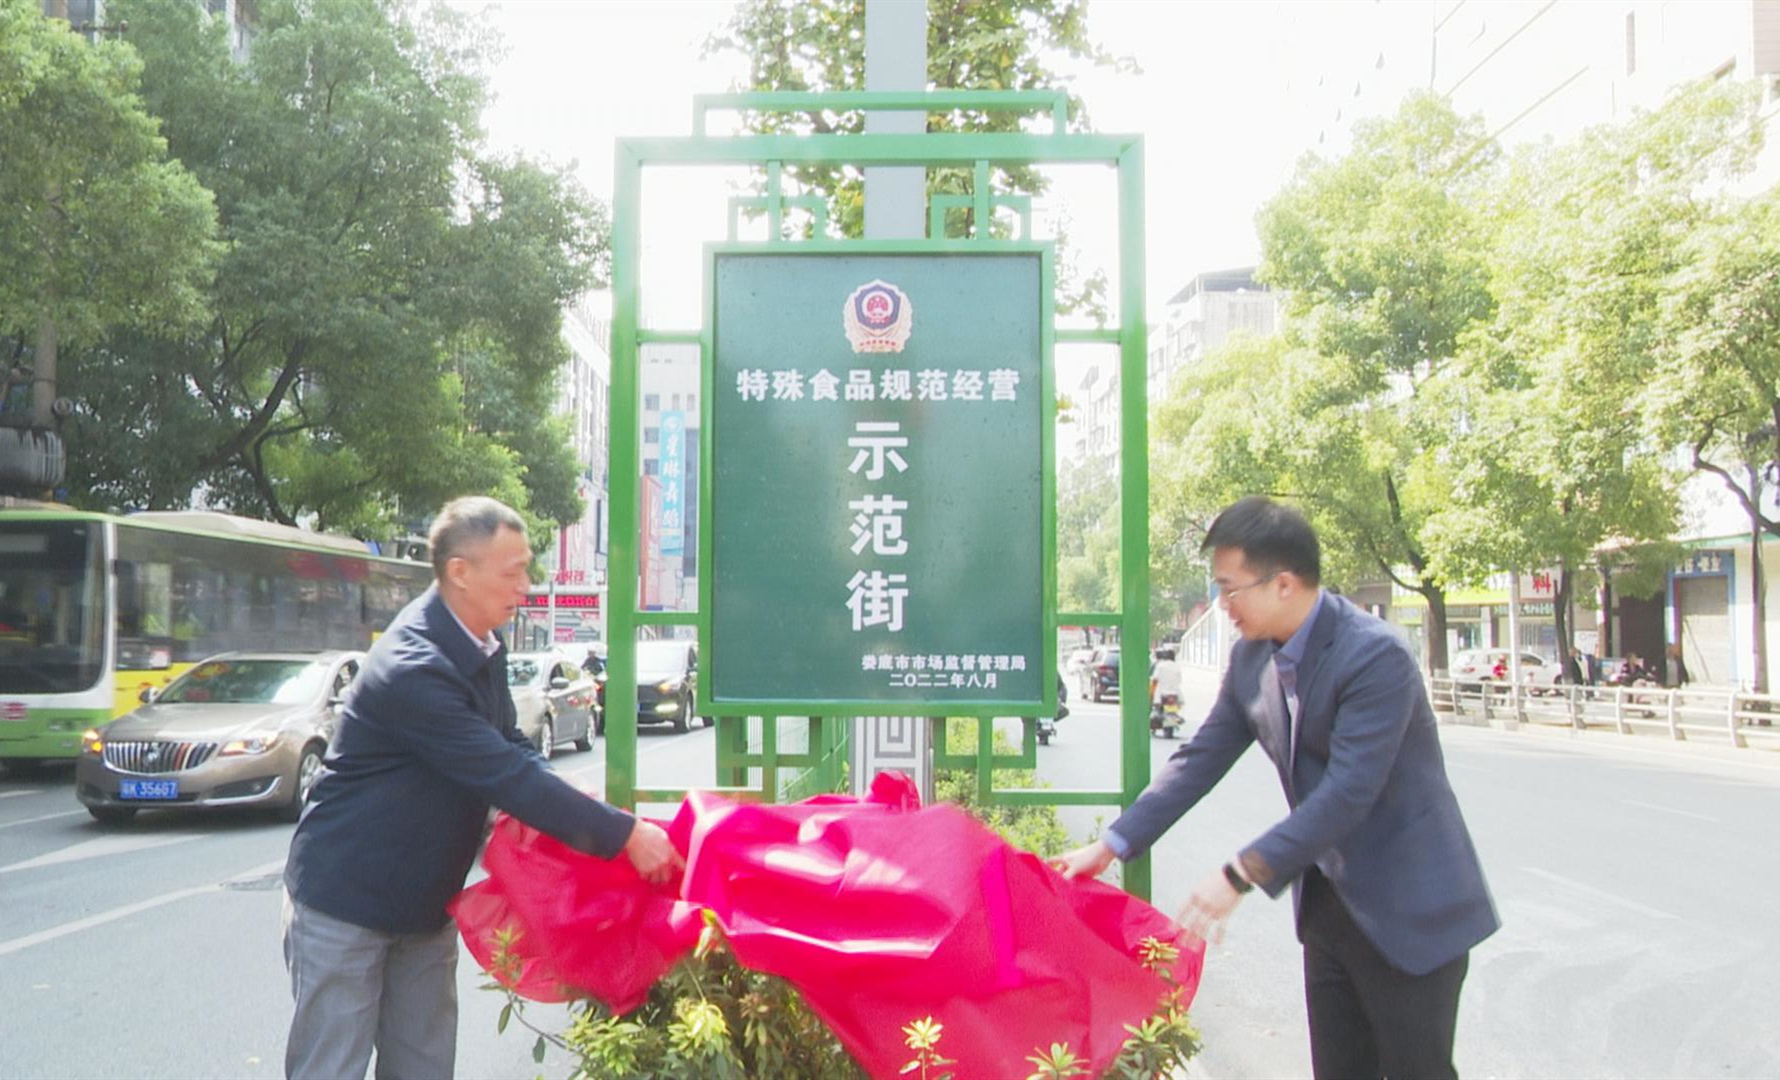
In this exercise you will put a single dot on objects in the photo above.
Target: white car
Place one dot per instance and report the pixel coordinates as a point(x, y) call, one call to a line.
point(1482, 665)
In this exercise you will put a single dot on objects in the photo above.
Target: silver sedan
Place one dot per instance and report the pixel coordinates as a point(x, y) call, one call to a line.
point(238, 729)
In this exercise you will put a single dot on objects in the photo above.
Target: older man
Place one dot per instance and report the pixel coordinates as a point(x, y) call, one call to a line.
point(427, 743)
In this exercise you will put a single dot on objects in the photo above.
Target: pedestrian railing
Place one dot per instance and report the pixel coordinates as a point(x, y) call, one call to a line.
point(1721, 714)
point(1206, 643)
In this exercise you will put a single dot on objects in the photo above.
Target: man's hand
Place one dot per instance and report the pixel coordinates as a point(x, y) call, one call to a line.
point(1205, 911)
point(652, 853)
point(1089, 861)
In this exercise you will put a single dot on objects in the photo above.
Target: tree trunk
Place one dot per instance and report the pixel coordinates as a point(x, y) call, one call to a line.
point(1436, 627)
point(1566, 633)
point(1758, 635)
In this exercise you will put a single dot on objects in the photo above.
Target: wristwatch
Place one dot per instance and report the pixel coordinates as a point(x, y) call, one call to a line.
point(1236, 880)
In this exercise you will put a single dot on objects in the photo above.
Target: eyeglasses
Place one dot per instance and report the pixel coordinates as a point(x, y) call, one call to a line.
point(1224, 594)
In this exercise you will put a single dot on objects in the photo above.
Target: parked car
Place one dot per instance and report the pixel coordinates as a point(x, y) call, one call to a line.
point(1100, 678)
point(238, 729)
point(555, 699)
point(595, 667)
point(1476, 666)
point(667, 683)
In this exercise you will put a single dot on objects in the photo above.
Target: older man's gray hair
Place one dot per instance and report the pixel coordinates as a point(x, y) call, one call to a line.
point(467, 523)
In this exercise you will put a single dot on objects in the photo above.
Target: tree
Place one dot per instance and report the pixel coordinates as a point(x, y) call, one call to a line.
point(1088, 535)
point(386, 320)
point(1382, 255)
point(1717, 390)
point(101, 231)
point(1557, 461)
point(1590, 237)
point(819, 46)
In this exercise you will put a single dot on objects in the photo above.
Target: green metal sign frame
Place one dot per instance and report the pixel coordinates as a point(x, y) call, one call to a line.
point(817, 765)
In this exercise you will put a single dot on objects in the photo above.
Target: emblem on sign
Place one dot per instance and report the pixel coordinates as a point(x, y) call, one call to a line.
point(878, 318)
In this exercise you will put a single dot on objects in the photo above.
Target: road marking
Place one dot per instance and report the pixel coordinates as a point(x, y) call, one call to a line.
point(45, 817)
point(1669, 810)
point(19, 943)
point(93, 849)
point(1600, 894)
point(16, 794)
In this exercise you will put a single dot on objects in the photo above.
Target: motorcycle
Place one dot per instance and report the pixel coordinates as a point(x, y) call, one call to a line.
point(1047, 725)
point(1165, 716)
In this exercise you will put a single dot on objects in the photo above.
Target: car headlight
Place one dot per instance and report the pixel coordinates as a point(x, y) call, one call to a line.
point(90, 742)
point(257, 745)
point(667, 686)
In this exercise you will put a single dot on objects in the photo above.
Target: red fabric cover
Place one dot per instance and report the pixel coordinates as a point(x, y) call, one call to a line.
point(880, 912)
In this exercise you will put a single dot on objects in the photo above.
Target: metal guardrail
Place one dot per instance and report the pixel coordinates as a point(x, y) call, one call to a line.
point(1715, 713)
point(1206, 644)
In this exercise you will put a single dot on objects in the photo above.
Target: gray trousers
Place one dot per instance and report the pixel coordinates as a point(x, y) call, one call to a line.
point(357, 988)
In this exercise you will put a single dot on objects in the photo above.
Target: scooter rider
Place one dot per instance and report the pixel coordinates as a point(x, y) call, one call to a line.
point(1165, 688)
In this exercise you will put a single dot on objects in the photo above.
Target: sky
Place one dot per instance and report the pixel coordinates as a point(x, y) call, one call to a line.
point(1221, 103)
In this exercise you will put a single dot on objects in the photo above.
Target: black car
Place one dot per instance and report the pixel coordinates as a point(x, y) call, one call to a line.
point(667, 684)
point(1100, 678)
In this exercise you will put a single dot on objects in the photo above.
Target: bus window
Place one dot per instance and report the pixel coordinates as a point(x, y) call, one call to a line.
point(51, 606)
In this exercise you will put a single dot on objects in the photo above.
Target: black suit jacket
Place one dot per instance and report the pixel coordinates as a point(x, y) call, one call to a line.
point(428, 740)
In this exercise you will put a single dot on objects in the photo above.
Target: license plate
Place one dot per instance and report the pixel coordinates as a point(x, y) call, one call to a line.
point(148, 789)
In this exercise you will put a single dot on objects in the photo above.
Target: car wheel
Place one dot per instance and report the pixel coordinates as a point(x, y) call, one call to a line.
point(682, 719)
point(599, 723)
point(1044, 738)
point(112, 815)
point(585, 742)
point(1097, 696)
point(547, 737)
point(308, 772)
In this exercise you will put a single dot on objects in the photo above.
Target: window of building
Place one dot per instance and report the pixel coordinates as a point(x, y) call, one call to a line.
point(649, 467)
point(676, 401)
point(1631, 42)
point(691, 402)
point(651, 402)
point(651, 436)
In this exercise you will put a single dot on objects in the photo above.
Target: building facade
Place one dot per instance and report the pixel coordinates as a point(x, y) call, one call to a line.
point(1204, 315)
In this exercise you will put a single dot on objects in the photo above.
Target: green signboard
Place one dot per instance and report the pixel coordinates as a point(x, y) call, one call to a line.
point(878, 452)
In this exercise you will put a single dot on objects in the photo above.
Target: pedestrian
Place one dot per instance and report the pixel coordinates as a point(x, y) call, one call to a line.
point(427, 742)
point(1676, 673)
point(1387, 890)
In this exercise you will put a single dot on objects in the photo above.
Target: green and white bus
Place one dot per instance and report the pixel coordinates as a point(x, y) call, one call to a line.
point(96, 607)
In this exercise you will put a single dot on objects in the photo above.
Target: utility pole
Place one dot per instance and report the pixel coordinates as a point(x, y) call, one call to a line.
point(895, 209)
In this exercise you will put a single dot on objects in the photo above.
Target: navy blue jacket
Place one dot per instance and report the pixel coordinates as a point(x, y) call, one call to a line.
point(428, 740)
point(1366, 781)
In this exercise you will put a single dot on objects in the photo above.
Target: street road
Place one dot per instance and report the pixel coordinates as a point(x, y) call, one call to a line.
point(153, 950)
point(1635, 885)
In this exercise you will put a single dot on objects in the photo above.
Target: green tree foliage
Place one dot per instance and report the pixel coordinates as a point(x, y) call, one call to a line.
point(819, 46)
point(1088, 535)
point(1717, 387)
point(1383, 256)
point(100, 230)
point(1559, 459)
point(386, 319)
